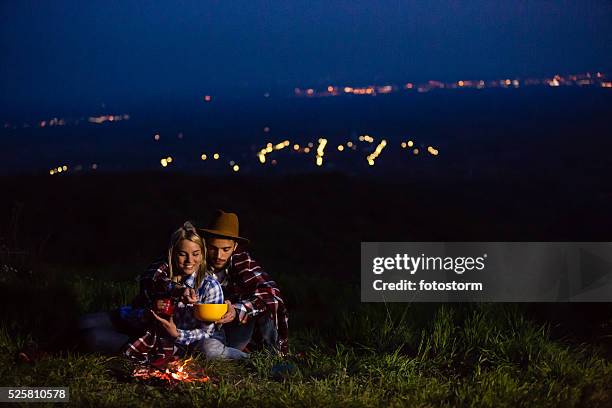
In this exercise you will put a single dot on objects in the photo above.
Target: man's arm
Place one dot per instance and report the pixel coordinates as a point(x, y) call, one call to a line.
point(155, 281)
point(256, 287)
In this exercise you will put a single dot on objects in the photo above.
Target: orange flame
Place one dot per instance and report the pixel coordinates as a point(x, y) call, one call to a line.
point(176, 371)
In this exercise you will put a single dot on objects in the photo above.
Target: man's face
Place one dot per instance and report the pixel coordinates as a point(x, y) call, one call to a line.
point(219, 251)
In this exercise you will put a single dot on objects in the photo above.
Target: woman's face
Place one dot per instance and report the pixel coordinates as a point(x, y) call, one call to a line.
point(188, 256)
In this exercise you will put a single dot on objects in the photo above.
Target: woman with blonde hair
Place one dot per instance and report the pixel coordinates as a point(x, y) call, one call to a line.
point(164, 308)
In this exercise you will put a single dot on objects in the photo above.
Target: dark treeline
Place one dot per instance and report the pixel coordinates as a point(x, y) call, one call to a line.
point(315, 221)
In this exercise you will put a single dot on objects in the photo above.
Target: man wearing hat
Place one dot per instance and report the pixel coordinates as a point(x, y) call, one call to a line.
point(256, 313)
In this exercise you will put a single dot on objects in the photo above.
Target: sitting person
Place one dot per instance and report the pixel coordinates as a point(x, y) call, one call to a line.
point(257, 315)
point(171, 288)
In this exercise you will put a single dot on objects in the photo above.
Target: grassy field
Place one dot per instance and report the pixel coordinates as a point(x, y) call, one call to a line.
point(83, 240)
point(423, 355)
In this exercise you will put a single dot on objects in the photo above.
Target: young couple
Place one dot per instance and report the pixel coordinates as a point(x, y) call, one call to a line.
point(209, 265)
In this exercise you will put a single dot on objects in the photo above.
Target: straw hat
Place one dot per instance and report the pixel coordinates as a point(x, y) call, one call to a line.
point(224, 225)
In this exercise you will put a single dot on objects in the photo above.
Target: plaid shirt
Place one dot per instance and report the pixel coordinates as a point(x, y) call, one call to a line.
point(155, 283)
point(252, 293)
point(191, 329)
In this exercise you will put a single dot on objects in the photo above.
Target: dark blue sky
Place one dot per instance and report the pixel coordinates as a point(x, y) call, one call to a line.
point(73, 51)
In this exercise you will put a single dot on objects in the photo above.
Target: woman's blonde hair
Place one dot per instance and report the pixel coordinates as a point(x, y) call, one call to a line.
point(188, 232)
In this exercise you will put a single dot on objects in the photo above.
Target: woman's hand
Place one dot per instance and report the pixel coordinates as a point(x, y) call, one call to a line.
point(229, 316)
point(168, 325)
point(189, 296)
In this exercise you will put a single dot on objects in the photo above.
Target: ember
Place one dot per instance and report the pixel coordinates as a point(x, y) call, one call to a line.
point(174, 371)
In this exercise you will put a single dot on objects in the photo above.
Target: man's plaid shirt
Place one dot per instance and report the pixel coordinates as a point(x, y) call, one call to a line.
point(253, 292)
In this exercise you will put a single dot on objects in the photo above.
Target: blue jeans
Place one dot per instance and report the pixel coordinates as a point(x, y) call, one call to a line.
point(215, 348)
point(240, 335)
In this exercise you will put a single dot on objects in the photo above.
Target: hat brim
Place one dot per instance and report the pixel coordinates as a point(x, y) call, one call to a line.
point(223, 234)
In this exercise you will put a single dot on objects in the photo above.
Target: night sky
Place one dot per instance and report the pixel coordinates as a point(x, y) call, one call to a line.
point(67, 52)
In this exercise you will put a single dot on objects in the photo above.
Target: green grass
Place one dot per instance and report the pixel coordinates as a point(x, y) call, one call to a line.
point(421, 355)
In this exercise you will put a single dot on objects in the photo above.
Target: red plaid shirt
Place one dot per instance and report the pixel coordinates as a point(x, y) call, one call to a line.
point(253, 292)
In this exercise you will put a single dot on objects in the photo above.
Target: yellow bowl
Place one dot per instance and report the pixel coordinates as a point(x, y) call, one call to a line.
point(209, 312)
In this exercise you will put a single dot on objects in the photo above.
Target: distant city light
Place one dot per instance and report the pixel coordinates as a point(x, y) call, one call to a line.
point(107, 118)
point(371, 157)
point(585, 79)
point(321, 151)
point(366, 138)
point(236, 167)
point(596, 79)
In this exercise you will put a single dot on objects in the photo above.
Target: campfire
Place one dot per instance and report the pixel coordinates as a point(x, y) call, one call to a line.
point(172, 370)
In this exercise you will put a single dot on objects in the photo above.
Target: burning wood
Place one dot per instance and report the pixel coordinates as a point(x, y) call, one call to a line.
point(173, 371)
